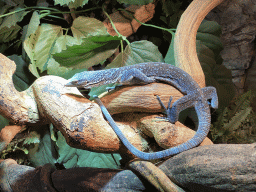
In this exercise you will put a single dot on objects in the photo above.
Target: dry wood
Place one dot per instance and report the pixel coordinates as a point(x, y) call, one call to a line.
point(185, 38)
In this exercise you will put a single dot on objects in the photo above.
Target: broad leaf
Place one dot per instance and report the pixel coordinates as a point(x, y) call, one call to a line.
point(137, 52)
point(93, 44)
point(54, 68)
point(93, 50)
point(71, 157)
point(44, 152)
point(86, 27)
point(39, 44)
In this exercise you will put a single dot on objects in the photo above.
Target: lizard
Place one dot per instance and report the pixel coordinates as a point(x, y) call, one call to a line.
point(145, 73)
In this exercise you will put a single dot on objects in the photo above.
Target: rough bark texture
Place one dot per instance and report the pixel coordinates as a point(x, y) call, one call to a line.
point(140, 98)
point(221, 167)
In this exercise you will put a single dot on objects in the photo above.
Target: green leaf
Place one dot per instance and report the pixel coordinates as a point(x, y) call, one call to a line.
point(45, 151)
point(216, 75)
point(33, 24)
point(3, 123)
point(86, 27)
point(32, 137)
point(8, 34)
point(237, 120)
point(210, 27)
point(71, 3)
point(93, 50)
point(39, 44)
point(137, 52)
point(90, 45)
point(71, 157)
point(22, 78)
point(135, 2)
point(77, 3)
point(11, 20)
point(211, 41)
point(98, 160)
point(4, 9)
point(54, 68)
point(169, 57)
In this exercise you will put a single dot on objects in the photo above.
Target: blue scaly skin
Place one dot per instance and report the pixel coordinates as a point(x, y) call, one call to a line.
point(145, 73)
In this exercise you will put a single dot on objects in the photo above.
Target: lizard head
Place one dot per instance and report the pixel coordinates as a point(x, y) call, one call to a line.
point(86, 79)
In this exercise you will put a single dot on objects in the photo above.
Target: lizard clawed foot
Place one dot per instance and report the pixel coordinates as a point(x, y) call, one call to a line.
point(110, 88)
point(168, 111)
point(113, 88)
point(162, 105)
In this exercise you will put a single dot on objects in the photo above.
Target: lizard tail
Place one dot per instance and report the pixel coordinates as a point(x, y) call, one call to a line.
point(202, 132)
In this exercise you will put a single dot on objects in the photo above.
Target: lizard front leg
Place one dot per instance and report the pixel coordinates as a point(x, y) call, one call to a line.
point(134, 76)
point(178, 106)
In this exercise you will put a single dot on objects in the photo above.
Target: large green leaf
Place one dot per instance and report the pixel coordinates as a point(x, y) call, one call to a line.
point(54, 68)
point(137, 52)
point(72, 157)
point(39, 44)
point(93, 50)
point(93, 45)
point(86, 27)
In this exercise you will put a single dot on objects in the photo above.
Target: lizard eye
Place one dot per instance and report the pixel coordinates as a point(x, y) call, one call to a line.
point(74, 82)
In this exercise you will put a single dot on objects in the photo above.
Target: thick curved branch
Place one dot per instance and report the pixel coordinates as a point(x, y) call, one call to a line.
point(185, 38)
point(19, 107)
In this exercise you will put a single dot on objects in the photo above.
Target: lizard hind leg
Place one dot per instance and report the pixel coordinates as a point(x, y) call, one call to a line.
point(210, 93)
point(162, 104)
point(182, 103)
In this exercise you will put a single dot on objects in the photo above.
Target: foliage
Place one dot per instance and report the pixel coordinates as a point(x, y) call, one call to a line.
point(42, 41)
point(236, 123)
point(19, 148)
